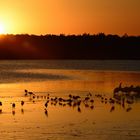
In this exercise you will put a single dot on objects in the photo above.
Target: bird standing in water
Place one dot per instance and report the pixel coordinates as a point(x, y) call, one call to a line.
point(22, 103)
point(13, 105)
point(46, 104)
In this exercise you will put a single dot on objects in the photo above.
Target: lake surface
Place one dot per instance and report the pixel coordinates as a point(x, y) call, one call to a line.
point(59, 78)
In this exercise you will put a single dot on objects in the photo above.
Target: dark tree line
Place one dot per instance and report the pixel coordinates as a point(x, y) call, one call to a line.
point(84, 46)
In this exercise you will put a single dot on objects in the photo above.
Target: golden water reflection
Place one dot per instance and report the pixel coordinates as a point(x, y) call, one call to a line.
point(80, 80)
point(67, 121)
point(99, 120)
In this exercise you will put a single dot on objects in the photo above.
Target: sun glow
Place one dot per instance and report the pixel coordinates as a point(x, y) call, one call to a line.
point(2, 29)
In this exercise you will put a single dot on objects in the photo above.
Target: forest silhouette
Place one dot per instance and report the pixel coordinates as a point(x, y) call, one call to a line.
point(85, 46)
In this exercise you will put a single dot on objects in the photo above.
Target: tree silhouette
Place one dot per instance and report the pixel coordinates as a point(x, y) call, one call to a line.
point(86, 46)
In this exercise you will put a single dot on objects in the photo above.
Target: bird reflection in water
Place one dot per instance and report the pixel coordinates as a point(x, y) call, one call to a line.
point(128, 109)
point(79, 109)
point(13, 112)
point(112, 108)
point(46, 112)
point(22, 111)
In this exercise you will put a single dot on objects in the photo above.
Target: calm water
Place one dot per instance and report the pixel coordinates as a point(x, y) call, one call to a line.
point(61, 78)
point(66, 76)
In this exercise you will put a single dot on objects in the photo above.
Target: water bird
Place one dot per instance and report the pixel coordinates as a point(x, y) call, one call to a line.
point(98, 95)
point(46, 112)
point(60, 99)
point(70, 96)
point(26, 92)
point(31, 93)
point(78, 103)
point(76, 97)
point(69, 104)
point(22, 111)
point(102, 98)
point(60, 104)
point(69, 100)
point(92, 107)
point(13, 105)
point(127, 91)
point(112, 108)
point(105, 102)
point(117, 89)
point(128, 109)
point(112, 101)
point(92, 101)
point(89, 94)
point(46, 104)
point(33, 96)
point(79, 109)
point(22, 103)
point(55, 99)
point(47, 101)
point(102, 101)
point(87, 98)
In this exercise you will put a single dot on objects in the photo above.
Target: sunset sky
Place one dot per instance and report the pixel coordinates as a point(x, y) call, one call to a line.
point(70, 16)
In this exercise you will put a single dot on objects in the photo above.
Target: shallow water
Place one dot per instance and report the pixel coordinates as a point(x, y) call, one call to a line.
point(61, 78)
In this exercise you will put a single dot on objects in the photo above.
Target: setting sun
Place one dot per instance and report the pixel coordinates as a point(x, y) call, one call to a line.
point(2, 29)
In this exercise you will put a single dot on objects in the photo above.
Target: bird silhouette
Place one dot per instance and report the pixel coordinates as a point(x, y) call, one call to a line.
point(128, 109)
point(22, 103)
point(46, 104)
point(112, 108)
point(79, 109)
point(13, 105)
point(46, 112)
point(117, 89)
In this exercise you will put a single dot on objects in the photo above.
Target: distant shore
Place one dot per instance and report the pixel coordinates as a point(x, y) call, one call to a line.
point(86, 46)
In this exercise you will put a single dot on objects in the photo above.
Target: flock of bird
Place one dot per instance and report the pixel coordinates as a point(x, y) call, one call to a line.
point(75, 101)
point(127, 91)
point(13, 104)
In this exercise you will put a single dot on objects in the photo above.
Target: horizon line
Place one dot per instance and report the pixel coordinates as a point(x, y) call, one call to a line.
point(63, 34)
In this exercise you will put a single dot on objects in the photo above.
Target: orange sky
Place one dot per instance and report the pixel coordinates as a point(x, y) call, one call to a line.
point(70, 16)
